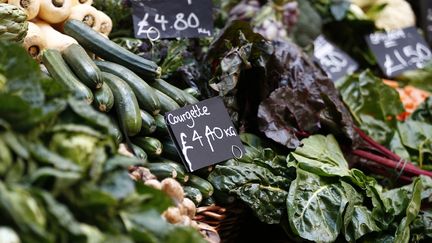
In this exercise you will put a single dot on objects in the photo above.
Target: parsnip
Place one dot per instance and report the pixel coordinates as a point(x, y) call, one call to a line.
point(171, 187)
point(54, 39)
point(85, 13)
point(31, 7)
point(55, 11)
point(35, 41)
point(103, 23)
point(79, 2)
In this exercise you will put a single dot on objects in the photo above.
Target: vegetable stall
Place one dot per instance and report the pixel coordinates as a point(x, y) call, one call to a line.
point(329, 99)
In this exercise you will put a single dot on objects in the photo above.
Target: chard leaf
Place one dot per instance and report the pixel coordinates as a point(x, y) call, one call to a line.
point(321, 155)
point(315, 207)
point(412, 210)
point(373, 104)
point(257, 186)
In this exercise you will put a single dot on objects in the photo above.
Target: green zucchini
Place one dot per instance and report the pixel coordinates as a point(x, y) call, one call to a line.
point(193, 194)
point(170, 150)
point(125, 103)
point(117, 130)
point(170, 90)
point(148, 123)
point(103, 98)
point(190, 100)
point(152, 146)
point(182, 176)
point(139, 152)
point(146, 96)
point(210, 201)
point(60, 71)
point(110, 51)
point(161, 127)
point(162, 170)
point(166, 103)
point(193, 91)
point(202, 185)
point(83, 66)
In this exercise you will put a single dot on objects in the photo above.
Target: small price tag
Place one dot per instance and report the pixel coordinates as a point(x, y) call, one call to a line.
point(155, 19)
point(399, 50)
point(204, 134)
point(335, 62)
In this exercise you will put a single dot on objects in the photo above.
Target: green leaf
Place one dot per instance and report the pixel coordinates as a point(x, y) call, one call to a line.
point(372, 103)
point(412, 210)
point(321, 155)
point(315, 207)
point(18, 205)
point(256, 185)
point(118, 185)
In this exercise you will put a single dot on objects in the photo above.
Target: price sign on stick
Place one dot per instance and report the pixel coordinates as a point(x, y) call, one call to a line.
point(155, 19)
point(399, 50)
point(204, 134)
point(335, 62)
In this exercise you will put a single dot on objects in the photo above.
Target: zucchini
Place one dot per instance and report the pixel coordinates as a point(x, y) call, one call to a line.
point(193, 194)
point(103, 98)
point(182, 176)
point(139, 152)
point(116, 128)
point(148, 123)
point(202, 185)
point(190, 100)
point(166, 103)
point(170, 90)
point(210, 201)
point(152, 146)
point(125, 103)
point(146, 96)
point(60, 71)
point(110, 51)
point(162, 170)
point(161, 127)
point(83, 66)
point(170, 150)
point(193, 91)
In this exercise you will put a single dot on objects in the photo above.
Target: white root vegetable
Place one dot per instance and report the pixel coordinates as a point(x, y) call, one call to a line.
point(103, 23)
point(55, 39)
point(189, 207)
point(154, 183)
point(35, 41)
point(171, 187)
point(186, 221)
point(55, 11)
point(80, 2)
point(172, 215)
point(30, 7)
point(86, 14)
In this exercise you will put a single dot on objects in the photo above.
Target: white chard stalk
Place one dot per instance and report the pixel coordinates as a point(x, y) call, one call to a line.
point(30, 7)
point(35, 41)
point(55, 11)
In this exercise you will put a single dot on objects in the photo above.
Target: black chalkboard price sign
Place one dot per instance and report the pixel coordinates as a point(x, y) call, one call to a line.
point(399, 50)
point(204, 134)
point(426, 18)
point(335, 62)
point(155, 19)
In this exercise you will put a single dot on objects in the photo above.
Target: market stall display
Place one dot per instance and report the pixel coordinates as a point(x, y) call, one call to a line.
point(86, 154)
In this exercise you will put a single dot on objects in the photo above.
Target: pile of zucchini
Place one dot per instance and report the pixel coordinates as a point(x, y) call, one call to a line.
point(116, 86)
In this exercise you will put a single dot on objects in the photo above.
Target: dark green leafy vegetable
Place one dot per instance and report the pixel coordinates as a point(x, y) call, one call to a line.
point(315, 207)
